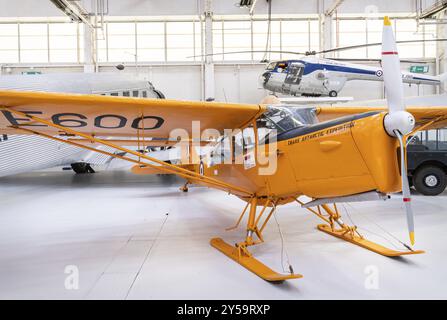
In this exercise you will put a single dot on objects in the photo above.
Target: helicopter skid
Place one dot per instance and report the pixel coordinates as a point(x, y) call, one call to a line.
point(241, 256)
point(362, 242)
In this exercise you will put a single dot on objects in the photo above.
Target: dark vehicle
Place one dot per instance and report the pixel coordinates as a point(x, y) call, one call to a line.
point(427, 161)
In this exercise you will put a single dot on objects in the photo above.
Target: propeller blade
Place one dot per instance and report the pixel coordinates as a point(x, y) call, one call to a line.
point(406, 194)
point(392, 75)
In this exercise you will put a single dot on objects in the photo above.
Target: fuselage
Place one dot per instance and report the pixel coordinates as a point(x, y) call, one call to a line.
point(340, 157)
point(318, 76)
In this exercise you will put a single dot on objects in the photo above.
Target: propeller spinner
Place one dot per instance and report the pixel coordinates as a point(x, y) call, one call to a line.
point(397, 122)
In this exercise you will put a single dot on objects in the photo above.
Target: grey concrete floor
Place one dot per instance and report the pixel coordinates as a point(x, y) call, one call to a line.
point(114, 235)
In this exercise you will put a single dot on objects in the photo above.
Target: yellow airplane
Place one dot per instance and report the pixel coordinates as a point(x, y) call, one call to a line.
point(265, 155)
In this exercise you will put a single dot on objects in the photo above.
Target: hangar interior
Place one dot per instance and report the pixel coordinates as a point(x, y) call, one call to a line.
point(138, 237)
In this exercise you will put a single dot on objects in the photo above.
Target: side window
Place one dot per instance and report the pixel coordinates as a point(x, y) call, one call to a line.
point(115, 94)
point(225, 150)
point(248, 139)
point(442, 139)
point(248, 149)
point(222, 152)
point(417, 138)
point(238, 147)
point(126, 94)
point(144, 94)
point(432, 138)
point(135, 93)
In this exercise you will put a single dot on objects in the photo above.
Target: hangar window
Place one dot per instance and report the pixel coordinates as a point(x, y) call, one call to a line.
point(126, 94)
point(237, 37)
point(180, 41)
point(121, 41)
point(260, 31)
point(295, 37)
point(9, 43)
point(151, 41)
point(144, 94)
point(33, 42)
point(63, 42)
point(351, 31)
point(135, 93)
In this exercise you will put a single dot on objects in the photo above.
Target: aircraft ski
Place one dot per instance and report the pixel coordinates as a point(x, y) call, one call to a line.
point(251, 263)
point(366, 244)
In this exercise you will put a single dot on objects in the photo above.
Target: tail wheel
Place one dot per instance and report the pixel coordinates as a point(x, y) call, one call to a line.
point(430, 180)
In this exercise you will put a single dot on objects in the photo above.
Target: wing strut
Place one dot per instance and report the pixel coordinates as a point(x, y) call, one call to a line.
point(162, 166)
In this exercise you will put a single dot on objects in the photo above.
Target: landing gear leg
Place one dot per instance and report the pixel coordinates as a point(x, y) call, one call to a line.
point(240, 253)
point(185, 188)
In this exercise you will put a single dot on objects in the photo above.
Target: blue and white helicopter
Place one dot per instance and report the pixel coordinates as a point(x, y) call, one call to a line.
point(312, 76)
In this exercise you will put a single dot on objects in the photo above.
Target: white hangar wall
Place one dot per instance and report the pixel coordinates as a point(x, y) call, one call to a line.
point(235, 81)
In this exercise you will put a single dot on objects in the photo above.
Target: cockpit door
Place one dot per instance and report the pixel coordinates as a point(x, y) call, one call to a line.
point(295, 73)
point(294, 76)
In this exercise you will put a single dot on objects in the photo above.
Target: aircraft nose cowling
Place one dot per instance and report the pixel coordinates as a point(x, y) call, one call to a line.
point(266, 76)
point(263, 80)
point(402, 121)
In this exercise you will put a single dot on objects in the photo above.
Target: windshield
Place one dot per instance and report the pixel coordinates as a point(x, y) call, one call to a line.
point(271, 66)
point(284, 118)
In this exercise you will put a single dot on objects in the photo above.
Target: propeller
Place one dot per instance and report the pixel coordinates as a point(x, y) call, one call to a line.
point(397, 122)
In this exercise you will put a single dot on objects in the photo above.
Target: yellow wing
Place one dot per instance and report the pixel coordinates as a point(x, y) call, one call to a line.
point(91, 116)
point(430, 117)
point(119, 116)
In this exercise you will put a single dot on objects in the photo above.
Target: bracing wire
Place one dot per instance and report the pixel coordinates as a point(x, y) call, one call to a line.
point(367, 230)
point(283, 248)
point(381, 228)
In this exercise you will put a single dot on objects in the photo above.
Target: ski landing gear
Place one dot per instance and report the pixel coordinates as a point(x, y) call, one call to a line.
point(337, 228)
point(240, 253)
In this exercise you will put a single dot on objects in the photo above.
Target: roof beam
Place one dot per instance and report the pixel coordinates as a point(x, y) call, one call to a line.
point(437, 7)
point(333, 7)
point(74, 10)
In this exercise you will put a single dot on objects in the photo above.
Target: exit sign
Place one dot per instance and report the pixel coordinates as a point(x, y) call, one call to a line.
point(31, 72)
point(419, 69)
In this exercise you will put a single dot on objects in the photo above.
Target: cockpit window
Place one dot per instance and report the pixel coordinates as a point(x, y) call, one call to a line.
point(284, 118)
point(271, 66)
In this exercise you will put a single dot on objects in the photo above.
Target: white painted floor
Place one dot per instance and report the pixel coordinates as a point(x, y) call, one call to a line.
point(114, 228)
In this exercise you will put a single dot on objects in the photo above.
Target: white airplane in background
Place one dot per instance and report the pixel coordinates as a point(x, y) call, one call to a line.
point(19, 154)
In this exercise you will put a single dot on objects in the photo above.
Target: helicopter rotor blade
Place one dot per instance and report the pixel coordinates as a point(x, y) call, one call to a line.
point(313, 53)
point(246, 51)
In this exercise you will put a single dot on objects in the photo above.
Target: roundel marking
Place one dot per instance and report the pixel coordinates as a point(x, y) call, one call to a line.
point(201, 168)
